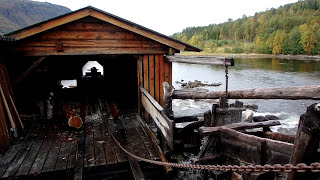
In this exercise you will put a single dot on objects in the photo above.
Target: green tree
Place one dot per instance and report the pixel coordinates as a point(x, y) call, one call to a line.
point(308, 41)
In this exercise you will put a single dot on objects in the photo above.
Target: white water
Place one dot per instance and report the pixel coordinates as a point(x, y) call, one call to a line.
point(248, 74)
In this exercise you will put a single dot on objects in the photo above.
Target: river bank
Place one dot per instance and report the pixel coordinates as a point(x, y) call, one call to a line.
point(253, 56)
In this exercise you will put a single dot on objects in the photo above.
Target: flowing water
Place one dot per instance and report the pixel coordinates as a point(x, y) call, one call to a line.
point(252, 73)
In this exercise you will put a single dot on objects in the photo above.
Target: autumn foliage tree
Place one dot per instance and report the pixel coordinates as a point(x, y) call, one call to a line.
point(290, 29)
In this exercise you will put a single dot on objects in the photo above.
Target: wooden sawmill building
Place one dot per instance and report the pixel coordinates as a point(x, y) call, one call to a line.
point(35, 58)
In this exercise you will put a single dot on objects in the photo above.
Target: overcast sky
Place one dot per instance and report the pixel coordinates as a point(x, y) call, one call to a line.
point(171, 16)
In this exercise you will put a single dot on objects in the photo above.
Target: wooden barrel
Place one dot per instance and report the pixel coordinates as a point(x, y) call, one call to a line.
point(73, 117)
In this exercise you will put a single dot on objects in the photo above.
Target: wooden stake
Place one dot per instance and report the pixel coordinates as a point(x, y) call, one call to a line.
point(13, 125)
point(16, 111)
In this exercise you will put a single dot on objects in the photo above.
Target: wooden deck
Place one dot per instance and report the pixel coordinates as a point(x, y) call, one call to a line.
point(53, 148)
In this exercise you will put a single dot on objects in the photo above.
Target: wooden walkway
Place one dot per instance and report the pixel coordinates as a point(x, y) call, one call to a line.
point(51, 149)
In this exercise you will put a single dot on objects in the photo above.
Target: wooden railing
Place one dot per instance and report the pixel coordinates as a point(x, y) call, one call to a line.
point(164, 124)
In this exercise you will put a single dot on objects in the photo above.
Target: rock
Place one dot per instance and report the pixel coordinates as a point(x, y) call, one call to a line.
point(272, 117)
point(253, 107)
point(247, 116)
point(259, 119)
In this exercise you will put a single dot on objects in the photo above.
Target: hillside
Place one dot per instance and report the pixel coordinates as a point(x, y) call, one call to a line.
point(16, 14)
point(290, 29)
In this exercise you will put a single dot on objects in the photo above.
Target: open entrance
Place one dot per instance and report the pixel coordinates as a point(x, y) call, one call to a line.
point(71, 78)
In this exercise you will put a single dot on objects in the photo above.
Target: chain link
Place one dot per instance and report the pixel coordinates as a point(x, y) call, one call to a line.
point(226, 75)
point(287, 168)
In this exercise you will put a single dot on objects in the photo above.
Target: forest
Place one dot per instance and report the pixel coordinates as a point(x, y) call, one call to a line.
point(291, 29)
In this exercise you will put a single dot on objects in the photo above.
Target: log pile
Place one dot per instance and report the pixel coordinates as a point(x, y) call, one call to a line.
point(72, 115)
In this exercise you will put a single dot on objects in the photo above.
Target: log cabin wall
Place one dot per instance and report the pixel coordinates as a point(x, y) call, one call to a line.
point(153, 70)
point(87, 36)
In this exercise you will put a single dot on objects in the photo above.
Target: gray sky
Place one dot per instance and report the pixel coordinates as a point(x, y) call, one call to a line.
point(171, 16)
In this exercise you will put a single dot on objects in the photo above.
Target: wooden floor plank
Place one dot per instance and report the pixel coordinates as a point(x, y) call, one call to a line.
point(120, 155)
point(29, 160)
point(144, 138)
point(9, 157)
point(42, 155)
point(73, 150)
point(62, 160)
point(89, 159)
point(21, 155)
point(53, 153)
point(135, 143)
point(99, 145)
point(110, 153)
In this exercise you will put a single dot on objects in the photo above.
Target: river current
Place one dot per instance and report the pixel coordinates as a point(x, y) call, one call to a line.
point(248, 74)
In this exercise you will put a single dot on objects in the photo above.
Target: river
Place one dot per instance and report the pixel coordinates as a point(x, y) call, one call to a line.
point(252, 73)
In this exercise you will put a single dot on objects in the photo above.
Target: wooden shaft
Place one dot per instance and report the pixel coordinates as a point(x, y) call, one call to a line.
point(13, 125)
point(297, 92)
point(16, 111)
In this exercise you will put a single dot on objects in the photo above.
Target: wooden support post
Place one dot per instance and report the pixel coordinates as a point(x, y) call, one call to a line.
point(207, 118)
point(307, 142)
point(214, 115)
point(136, 170)
point(27, 71)
point(167, 100)
point(16, 112)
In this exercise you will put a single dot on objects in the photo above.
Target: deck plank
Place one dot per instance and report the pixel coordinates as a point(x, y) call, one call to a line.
point(20, 156)
point(110, 153)
point(9, 157)
point(120, 155)
point(63, 156)
point(42, 155)
point(53, 153)
point(89, 159)
point(73, 150)
point(29, 160)
point(144, 138)
point(98, 145)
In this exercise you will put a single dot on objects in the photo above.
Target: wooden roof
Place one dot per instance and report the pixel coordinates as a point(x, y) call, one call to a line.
point(104, 16)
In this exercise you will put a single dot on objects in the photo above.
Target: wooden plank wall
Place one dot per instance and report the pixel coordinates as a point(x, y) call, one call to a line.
point(4, 125)
point(152, 72)
point(88, 36)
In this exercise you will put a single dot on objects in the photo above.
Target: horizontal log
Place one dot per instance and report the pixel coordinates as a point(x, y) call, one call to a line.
point(208, 60)
point(238, 126)
point(279, 136)
point(93, 43)
point(295, 92)
point(48, 51)
point(253, 149)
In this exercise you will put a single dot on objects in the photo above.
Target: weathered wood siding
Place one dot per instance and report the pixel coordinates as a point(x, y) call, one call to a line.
point(152, 72)
point(4, 126)
point(88, 36)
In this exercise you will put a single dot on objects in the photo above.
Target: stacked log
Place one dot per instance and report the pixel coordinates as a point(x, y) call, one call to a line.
point(73, 117)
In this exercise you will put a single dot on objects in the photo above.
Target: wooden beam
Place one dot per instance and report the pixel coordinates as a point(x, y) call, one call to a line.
point(136, 170)
point(207, 60)
point(16, 111)
point(49, 25)
point(279, 136)
point(295, 92)
point(161, 79)
point(157, 78)
point(13, 125)
point(151, 75)
point(238, 126)
point(138, 30)
point(164, 124)
point(27, 71)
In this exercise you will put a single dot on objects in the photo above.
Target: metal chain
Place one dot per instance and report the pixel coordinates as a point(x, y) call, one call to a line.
point(226, 75)
point(288, 168)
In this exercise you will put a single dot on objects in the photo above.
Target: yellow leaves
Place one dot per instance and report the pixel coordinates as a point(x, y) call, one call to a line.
point(308, 40)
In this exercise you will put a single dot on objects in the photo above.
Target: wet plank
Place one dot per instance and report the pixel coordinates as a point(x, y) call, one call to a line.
point(144, 138)
point(89, 159)
point(110, 153)
point(30, 158)
point(63, 156)
point(42, 155)
point(9, 157)
point(53, 153)
point(99, 145)
point(120, 155)
point(73, 150)
point(20, 156)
